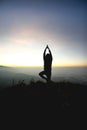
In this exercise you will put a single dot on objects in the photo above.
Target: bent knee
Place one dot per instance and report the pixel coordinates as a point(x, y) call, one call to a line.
point(40, 73)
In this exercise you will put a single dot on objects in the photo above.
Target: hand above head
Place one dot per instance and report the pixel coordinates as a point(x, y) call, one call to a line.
point(47, 47)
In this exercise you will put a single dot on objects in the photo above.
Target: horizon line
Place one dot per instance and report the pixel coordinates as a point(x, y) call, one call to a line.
point(42, 66)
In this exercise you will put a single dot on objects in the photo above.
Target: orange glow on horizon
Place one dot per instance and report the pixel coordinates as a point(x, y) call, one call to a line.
point(54, 65)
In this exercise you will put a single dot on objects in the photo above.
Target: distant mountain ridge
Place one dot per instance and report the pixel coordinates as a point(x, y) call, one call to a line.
point(4, 66)
point(7, 76)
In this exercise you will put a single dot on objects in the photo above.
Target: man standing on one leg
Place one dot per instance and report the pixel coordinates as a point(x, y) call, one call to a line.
point(46, 74)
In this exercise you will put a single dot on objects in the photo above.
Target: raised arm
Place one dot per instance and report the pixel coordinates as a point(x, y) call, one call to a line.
point(50, 52)
point(44, 52)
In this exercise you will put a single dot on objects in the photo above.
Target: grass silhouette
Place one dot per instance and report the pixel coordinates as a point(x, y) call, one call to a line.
point(63, 95)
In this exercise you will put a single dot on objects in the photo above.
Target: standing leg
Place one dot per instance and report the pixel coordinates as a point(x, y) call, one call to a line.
point(48, 76)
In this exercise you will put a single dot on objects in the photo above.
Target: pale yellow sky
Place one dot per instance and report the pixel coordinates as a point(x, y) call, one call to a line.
point(25, 30)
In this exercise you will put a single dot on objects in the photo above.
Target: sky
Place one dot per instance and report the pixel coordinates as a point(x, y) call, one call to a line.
point(27, 26)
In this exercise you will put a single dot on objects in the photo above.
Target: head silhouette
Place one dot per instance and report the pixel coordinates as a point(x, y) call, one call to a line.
point(47, 54)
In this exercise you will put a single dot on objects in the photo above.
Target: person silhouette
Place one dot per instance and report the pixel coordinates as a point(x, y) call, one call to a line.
point(46, 74)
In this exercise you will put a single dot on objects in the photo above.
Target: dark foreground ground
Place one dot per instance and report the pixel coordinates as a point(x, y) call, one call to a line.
point(63, 103)
point(59, 96)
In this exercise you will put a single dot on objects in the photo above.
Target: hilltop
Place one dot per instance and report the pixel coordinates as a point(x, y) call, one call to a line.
point(64, 95)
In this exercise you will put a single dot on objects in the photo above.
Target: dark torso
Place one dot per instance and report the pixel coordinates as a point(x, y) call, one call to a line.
point(47, 63)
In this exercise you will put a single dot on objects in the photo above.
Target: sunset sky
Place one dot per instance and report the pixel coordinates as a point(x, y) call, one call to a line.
point(27, 26)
